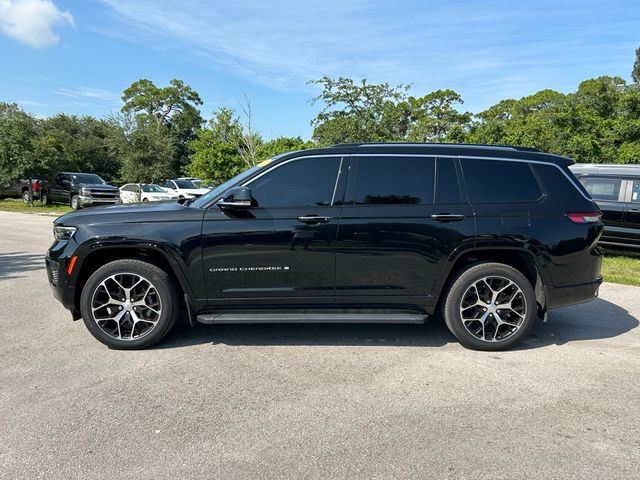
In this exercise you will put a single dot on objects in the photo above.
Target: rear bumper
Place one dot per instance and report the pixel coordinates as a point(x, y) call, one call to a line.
point(572, 294)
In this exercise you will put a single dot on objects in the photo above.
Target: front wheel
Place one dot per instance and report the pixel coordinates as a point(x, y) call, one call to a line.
point(490, 306)
point(26, 196)
point(75, 202)
point(129, 304)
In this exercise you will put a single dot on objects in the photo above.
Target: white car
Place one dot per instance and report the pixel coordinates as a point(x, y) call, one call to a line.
point(184, 188)
point(196, 181)
point(150, 193)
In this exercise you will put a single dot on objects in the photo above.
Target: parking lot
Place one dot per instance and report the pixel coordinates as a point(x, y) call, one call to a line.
point(310, 401)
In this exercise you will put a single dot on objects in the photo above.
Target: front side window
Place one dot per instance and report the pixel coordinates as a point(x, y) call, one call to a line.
point(607, 189)
point(389, 180)
point(500, 181)
point(301, 183)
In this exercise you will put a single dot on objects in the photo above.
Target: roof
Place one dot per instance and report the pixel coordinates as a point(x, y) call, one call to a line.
point(618, 169)
point(448, 149)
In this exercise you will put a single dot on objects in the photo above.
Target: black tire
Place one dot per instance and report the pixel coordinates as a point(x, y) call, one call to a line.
point(145, 200)
point(162, 283)
point(26, 196)
point(44, 198)
point(75, 202)
point(453, 304)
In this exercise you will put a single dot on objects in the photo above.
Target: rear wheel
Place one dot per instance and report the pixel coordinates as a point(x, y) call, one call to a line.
point(490, 306)
point(129, 304)
point(44, 197)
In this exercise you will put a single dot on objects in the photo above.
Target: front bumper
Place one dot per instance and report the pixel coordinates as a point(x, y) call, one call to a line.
point(62, 284)
point(86, 201)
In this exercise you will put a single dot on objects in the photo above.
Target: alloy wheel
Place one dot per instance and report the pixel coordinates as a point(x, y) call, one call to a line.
point(126, 306)
point(493, 308)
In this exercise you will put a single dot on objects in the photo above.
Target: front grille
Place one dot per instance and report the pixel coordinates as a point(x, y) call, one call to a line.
point(53, 269)
point(104, 194)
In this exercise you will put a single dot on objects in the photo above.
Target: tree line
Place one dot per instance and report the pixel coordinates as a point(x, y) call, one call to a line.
point(160, 132)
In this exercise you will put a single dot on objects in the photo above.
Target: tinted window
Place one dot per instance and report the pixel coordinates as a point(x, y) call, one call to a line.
point(185, 184)
point(500, 181)
point(128, 188)
point(602, 188)
point(394, 180)
point(301, 183)
point(447, 188)
point(635, 193)
point(168, 184)
point(88, 178)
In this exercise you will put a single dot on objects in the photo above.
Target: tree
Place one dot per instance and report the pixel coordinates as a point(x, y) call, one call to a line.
point(173, 109)
point(635, 73)
point(282, 145)
point(146, 152)
point(214, 153)
point(434, 116)
point(20, 146)
point(360, 112)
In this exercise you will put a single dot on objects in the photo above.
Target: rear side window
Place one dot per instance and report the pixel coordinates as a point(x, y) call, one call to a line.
point(500, 181)
point(602, 188)
point(394, 180)
point(447, 186)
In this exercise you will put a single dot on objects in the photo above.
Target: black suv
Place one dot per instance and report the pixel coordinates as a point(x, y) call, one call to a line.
point(491, 237)
point(80, 190)
point(616, 190)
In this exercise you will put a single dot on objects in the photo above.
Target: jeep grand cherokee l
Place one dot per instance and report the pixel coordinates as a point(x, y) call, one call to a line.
point(491, 237)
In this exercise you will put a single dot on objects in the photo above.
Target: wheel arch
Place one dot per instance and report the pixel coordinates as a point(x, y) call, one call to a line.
point(97, 257)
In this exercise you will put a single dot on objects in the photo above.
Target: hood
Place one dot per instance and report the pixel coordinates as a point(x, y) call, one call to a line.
point(131, 213)
point(95, 186)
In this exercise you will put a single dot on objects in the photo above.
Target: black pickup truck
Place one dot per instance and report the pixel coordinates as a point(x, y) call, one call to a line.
point(81, 190)
point(21, 189)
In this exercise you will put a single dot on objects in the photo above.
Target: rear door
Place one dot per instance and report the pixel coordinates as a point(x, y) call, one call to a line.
point(403, 217)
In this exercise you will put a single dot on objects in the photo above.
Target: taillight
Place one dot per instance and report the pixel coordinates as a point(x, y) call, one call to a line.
point(35, 185)
point(585, 217)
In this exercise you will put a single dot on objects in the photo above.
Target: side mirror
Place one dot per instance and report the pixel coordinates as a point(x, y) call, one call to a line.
point(236, 198)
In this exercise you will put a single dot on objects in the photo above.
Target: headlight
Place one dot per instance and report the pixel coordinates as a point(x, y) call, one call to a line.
point(85, 191)
point(63, 233)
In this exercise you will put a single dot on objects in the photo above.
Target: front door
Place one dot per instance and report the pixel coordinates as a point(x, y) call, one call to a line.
point(59, 191)
point(281, 250)
point(399, 228)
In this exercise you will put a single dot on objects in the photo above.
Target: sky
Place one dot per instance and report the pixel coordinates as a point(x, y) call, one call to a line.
point(77, 56)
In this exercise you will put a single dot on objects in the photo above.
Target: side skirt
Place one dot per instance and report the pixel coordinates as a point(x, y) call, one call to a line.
point(328, 317)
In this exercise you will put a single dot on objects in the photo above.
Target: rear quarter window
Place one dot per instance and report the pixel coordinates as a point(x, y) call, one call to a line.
point(607, 189)
point(500, 181)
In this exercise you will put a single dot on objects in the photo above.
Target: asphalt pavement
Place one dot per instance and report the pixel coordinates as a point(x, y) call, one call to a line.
point(310, 401)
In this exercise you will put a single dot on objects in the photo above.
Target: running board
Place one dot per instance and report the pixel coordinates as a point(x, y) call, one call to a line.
point(311, 318)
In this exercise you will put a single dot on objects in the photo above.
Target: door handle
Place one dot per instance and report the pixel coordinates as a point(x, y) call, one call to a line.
point(632, 210)
point(447, 217)
point(312, 219)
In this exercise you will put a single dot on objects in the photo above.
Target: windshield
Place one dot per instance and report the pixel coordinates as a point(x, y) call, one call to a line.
point(153, 188)
point(88, 178)
point(185, 184)
point(220, 189)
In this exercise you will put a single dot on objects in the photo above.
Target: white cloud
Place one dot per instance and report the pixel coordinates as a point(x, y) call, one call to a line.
point(88, 92)
point(32, 21)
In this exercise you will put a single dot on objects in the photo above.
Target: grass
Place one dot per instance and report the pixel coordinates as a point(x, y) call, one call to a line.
point(17, 205)
point(617, 268)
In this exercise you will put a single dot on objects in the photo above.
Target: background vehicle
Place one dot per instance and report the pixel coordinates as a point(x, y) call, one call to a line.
point(196, 181)
point(184, 188)
point(492, 237)
point(616, 191)
point(21, 190)
point(81, 190)
point(130, 193)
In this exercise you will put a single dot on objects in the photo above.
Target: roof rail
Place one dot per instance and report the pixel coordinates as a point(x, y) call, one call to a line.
point(419, 144)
